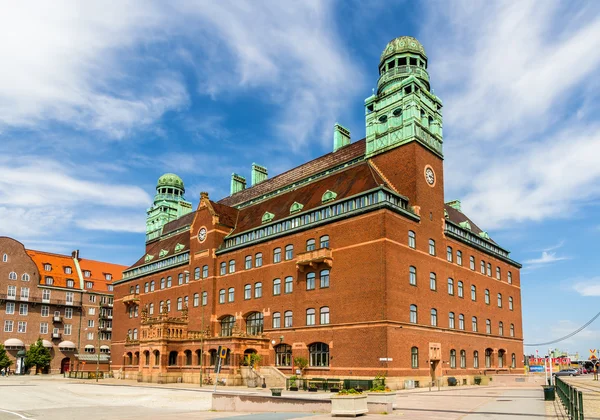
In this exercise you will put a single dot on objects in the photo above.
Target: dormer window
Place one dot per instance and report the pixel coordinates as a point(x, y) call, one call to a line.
point(179, 247)
point(49, 281)
point(328, 196)
point(267, 217)
point(162, 253)
point(148, 257)
point(70, 283)
point(47, 267)
point(87, 273)
point(296, 207)
point(89, 285)
point(68, 270)
point(107, 276)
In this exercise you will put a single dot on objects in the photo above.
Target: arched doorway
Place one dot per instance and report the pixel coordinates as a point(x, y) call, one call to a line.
point(65, 365)
point(248, 356)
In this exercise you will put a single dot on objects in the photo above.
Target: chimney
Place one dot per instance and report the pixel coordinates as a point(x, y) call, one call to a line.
point(75, 254)
point(259, 173)
point(238, 183)
point(455, 204)
point(341, 137)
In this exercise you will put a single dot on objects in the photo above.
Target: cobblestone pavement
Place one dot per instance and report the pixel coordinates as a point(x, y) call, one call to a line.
point(54, 398)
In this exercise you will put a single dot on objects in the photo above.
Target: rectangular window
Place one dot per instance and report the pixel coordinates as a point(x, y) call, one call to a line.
point(258, 260)
point(10, 308)
point(46, 295)
point(90, 323)
point(277, 255)
point(257, 290)
point(8, 325)
point(449, 254)
point(24, 293)
point(232, 266)
point(68, 328)
point(223, 268)
point(93, 298)
point(68, 313)
point(22, 327)
point(12, 292)
point(231, 293)
point(276, 287)
point(23, 309)
point(204, 298)
point(90, 336)
point(89, 284)
point(472, 263)
point(70, 283)
point(92, 311)
point(431, 247)
point(459, 257)
point(69, 298)
point(289, 252)
point(289, 284)
point(248, 262)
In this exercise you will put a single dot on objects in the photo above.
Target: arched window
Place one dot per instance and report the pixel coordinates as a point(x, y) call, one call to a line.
point(460, 289)
point(463, 359)
point(247, 291)
point(324, 279)
point(258, 259)
point(432, 281)
point(283, 355)
point(412, 239)
point(501, 356)
point(288, 319)
point(289, 285)
point(310, 245)
point(204, 298)
point(498, 273)
point(509, 277)
point(204, 271)
point(276, 287)
point(231, 294)
point(254, 323)
point(179, 303)
point(412, 276)
point(188, 357)
point(324, 241)
point(162, 283)
point(173, 358)
point(5, 258)
point(510, 303)
point(196, 300)
point(156, 358)
point(318, 354)
point(222, 296)
point(512, 330)
point(227, 324)
point(474, 323)
point(489, 269)
point(223, 268)
point(147, 358)
point(277, 255)
point(257, 290)
point(232, 266)
point(488, 358)
point(276, 320)
point(461, 322)
point(180, 279)
point(450, 286)
point(414, 357)
point(310, 316)
point(146, 287)
point(487, 297)
point(413, 314)
point(12, 275)
point(473, 293)
point(199, 357)
point(434, 317)
point(488, 326)
point(324, 315)
point(289, 252)
point(431, 247)
point(499, 300)
point(25, 277)
point(151, 309)
point(451, 320)
point(475, 359)
point(169, 281)
point(459, 257)
point(310, 281)
point(500, 328)
point(135, 334)
point(482, 267)
point(449, 254)
point(128, 358)
point(152, 286)
point(513, 361)
point(197, 273)
point(248, 262)
point(452, 359)
point(472, 262)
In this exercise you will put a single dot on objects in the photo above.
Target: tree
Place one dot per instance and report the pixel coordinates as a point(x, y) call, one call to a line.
point(4, 359)
point(38, 355)
point(301, 363)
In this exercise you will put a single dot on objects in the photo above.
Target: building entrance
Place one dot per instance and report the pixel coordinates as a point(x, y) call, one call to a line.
point(65, 365)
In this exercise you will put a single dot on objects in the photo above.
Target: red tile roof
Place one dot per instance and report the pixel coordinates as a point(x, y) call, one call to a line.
point(59, 262)
point(173, 225)
point(227, 215)
point(345, 154)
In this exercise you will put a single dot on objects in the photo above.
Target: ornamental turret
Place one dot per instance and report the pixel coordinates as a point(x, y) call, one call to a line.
point(169, 204)
point(403, 109)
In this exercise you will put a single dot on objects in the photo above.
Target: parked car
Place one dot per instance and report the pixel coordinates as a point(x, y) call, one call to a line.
point(567, 372)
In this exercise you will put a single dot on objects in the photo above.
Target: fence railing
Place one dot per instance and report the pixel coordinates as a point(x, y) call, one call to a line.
point(570, 398)
point(327, 384)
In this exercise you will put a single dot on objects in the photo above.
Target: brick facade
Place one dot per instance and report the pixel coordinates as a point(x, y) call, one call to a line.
point(69, 305)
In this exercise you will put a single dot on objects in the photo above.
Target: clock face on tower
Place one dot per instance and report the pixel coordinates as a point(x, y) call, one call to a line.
point(202, 234)
point(429, 175)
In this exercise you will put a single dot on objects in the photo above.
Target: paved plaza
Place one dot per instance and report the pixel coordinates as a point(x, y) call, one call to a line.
point(53, 397)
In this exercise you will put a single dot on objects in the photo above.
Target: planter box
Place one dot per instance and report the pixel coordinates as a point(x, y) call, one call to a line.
point(293, 388)
point(382, 397)
point(348, 405)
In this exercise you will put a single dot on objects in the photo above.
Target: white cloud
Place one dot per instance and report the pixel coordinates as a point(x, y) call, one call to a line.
point(65, 61)
point(589, 287)
point(124, 223)
point(545, 259)
point(516, 146)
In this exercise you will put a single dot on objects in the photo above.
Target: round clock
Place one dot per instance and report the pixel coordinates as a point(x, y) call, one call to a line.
point(429, 176)
point(202, 235)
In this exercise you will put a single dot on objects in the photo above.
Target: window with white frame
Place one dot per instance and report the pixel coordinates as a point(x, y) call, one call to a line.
point(46, 295)
point(289, 252)
point(449, 254)
point(10, 308)
point(90, 323)
point(67, 329)
point(277, 255)
point(287, 319)
point(460, 289)
point(310, 316)
point(451, 320)
point(231, 294)
point(12, 275)
point(248, 262)
point(24, 293)
point(247, 291)
point(412, 275)
point(324, 315)
point(68, 313)
point(257, 290)
point(8, 324)
point(90, 336)
point(70, 283)
point(431, 247)
point(258, 260)
point(87, 273)
point(22, 327)
point(68, 270)
point(324, 279)
point(432, 281)
point(47, 267)
point(289, 284)
point(222, 296)
point(459, 257)
point(276, 287)
point(232, 266)
point(12, 292)
point(204, 298)
point(310, 281)
point(412, 239)
point(91, 311)
point(276, 320)
point(23, 309)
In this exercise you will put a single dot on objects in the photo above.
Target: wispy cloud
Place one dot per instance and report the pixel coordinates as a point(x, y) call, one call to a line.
point(545, 259)
point(587, 287)
point(554, 247)
point(504, 82)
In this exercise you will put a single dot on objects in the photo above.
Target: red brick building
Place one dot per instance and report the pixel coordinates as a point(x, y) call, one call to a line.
point(63, 299)
point(352, 260)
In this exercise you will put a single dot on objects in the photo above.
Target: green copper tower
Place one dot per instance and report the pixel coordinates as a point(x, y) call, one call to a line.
point(169, 204)
point(403, 109)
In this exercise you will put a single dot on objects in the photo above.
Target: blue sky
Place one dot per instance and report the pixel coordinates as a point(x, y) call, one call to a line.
point(98, 99)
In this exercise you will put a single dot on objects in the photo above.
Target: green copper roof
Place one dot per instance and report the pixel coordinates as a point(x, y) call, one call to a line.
point(170, 180)
point(403, 44)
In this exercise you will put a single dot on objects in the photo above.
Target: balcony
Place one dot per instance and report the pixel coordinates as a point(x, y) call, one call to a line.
point(106, 316)
point(106, 304)
point(105, 328)
point(57, 319)
point(131, 299)
point(56, 335)
point(313, 258)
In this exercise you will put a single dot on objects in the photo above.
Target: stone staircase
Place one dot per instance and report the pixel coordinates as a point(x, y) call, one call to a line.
point(273, 376)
